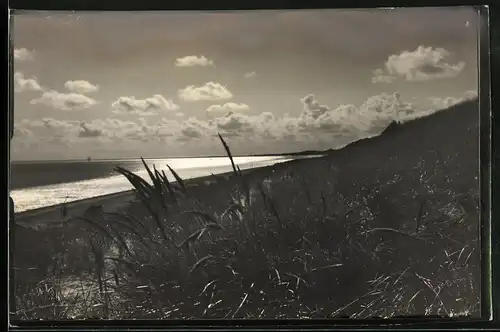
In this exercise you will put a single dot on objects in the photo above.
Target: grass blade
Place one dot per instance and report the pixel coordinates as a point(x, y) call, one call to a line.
point(199, 262)
point(178, 179)
point(191, 238)
point(228, 151)
point(169, 187)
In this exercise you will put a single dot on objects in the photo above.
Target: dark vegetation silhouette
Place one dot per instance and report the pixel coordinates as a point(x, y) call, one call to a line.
point(387, 226)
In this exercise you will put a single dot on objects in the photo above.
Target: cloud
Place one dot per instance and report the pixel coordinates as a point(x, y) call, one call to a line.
point(237, 124)
point(315, 126)
point(228, 107)
point(313, 107)
point(46, 132)
point(81, 86)
point(193, 61)
point(22, 132)
point(72, 131)
point(250, 74)
point(89, 130)
point(208, 91)
point(64, 101)
point(22, 83)
point(380, 77)
point(446, 102)
point(193, 128)
point(315, 122)
point(145, 107)
point(368, 119)
point(422, 64)
point(55, 138)
point(23, 54)
point(55, 126)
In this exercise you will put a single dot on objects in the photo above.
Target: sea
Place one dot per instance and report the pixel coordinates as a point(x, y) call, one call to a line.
point(38, 184)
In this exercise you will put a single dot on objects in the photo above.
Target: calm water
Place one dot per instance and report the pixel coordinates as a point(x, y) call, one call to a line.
point(40, 184)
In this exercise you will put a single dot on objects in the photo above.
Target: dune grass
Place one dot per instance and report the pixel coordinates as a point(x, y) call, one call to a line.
point(287, 243)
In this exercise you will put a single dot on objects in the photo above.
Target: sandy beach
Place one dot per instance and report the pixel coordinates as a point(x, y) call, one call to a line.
point(117, 201)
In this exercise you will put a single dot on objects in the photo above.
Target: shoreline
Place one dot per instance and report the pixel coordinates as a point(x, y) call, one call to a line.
point(115, 201)
point(110, 202)
point(279, 155)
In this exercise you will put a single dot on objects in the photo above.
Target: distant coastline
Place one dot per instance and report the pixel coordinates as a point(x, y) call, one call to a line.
point(284, 155)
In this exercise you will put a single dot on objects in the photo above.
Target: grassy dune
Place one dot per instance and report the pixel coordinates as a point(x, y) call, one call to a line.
point(385, 227)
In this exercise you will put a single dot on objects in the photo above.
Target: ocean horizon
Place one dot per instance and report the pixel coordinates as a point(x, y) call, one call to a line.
point(38, 184)
point(122, 159)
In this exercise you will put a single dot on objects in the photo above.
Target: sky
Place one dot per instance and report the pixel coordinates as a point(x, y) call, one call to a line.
point(164, 84)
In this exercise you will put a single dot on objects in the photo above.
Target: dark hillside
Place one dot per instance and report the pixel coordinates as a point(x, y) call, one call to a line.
point(420, 176)
point(458, 124)
point(429, 157)
point(444, 145)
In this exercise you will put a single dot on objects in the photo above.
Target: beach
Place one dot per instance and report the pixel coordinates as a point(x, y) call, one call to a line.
point(37, 185)
point(122, 200)
point(110, 203)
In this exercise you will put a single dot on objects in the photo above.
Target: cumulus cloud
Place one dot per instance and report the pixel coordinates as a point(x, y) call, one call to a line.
point(422, 64)
point(81, 86)
point(208, 91)
point(22, 83)
point(380, 77)
point(89, 130)
point(316, 117)
point(72, 131)
point(47, 132)
point(250, 74)
point(193, 61)
point(64, 101)
point(56, 138)
point(228, 107)
point(237, 124)
point(315, 126)
point(315, 121)
point(446, 102)
point(22, 132)
point(193, 128)
point(144, 107)
point(23, 54)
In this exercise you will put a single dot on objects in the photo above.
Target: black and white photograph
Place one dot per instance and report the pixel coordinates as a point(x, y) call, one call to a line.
point(246, 164)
